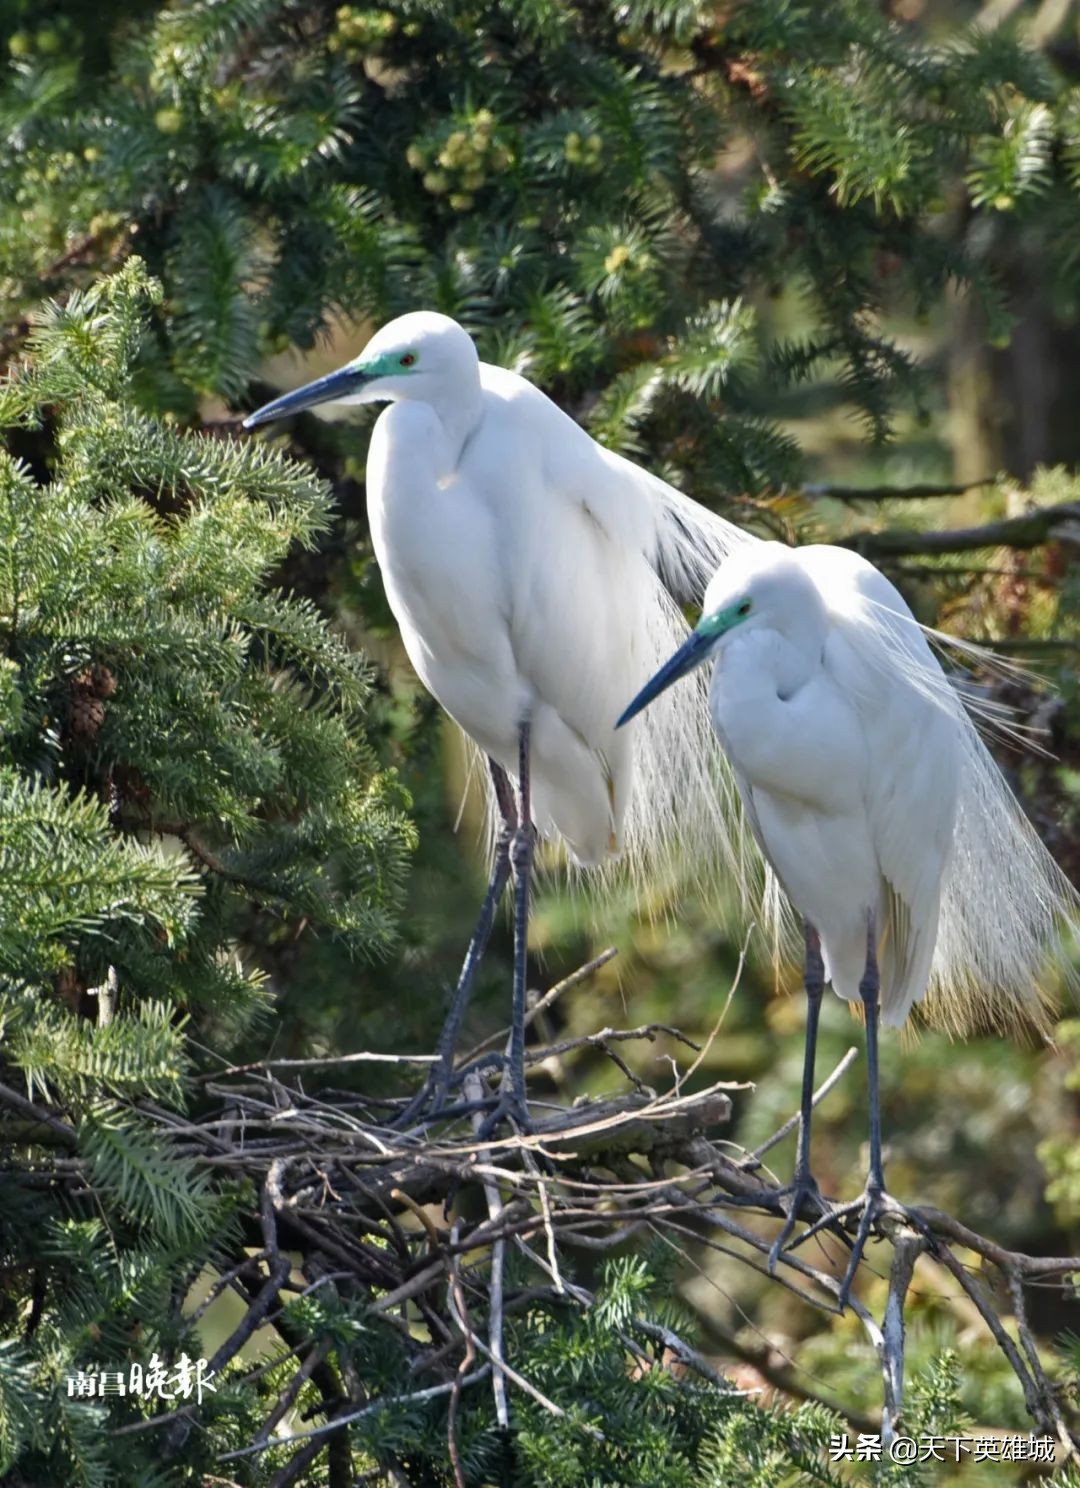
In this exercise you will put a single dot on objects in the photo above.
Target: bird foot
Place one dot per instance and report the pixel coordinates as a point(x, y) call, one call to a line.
point(434, 1100)
point(511, 1106)
point(801, 1191)
point(874, 1204)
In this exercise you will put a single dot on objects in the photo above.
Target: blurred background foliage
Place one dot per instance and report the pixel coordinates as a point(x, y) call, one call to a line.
point(816, 263)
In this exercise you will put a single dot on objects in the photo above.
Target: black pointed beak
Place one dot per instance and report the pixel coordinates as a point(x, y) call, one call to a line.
point(328, 389)
point(690, 655)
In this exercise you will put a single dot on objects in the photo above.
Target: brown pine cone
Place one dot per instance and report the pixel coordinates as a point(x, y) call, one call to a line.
point(87, 715)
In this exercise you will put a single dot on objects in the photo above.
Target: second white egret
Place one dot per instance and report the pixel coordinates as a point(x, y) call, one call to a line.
point(878, 808)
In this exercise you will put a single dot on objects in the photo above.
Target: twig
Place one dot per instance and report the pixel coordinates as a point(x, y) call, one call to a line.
point(735, 981)
point(608, 1036)
point(908, 1245)
point(37, 1114)
point(783, 1377)
point(920, 492)
point(505, 1369)
point(339, 1186)
point(658, 1333)
point(494, 1039)
point(1001, 1338)
point(321, 1062)
point(225, 1279)
point(474, 1091)
point(468, 1358)
point(293, 1388)
point(1038, 1374)
point(420, 1213)
point(1030, 530)
point(754, 1160)
point(384, 1402)
point(299, 1463)
point(549, 1231)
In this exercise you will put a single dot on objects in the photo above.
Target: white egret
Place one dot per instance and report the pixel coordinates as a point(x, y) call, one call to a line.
point(875, 802)
point(536, 578)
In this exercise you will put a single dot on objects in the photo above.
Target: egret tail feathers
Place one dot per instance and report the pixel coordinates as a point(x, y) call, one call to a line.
point(1005, 904)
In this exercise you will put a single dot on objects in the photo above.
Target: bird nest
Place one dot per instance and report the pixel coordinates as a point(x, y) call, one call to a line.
point(417, 1226)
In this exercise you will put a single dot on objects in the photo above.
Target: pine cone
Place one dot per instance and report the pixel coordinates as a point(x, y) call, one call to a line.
point(86, 710)
point(103, 681)
point(87, 716)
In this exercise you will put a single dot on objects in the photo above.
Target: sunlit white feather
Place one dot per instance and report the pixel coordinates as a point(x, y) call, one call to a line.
point(536, 575)
point(871, 790)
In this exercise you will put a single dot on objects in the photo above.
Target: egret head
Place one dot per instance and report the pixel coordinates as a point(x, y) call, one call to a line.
point(422, 356)
point(762, 586)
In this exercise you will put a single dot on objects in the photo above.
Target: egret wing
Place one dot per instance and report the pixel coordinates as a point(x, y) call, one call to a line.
point(594, 548)
point(914, 765)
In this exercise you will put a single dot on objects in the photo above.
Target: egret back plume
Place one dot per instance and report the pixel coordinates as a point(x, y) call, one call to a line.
point(686, 819)
point(683, 820)
point(1004, 901)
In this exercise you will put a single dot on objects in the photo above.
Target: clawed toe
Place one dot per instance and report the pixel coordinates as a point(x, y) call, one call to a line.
point(438, 1099)
point(802, 1191)
point(424, 1106)
point(873, 1206)
point(510, 1107)
point(430, 1103)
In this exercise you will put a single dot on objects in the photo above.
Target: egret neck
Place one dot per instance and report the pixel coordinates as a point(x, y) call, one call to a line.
point(457, 401)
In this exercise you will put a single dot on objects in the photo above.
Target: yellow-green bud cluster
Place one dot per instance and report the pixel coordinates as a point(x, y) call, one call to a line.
point(45, 42)
point(359, 33)
point(460, 162)
point(617, 259)
point(60, 165)
point(584, 151)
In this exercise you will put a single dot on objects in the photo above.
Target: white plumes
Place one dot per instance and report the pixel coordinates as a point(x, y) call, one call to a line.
point(867, 788)
point(685, 818)
point(538, 577)
point(683, 821)
point(1004, 902)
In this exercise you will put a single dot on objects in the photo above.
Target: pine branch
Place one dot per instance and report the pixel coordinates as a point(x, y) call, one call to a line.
point(38, 1116)
point(1041, 525)
point(921, 492)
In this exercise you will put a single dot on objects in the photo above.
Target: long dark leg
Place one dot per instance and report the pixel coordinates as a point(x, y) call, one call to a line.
point(804, 1184)
point(815, 990)
point(432, 1096)
point(869, 991)
point(512, 1098)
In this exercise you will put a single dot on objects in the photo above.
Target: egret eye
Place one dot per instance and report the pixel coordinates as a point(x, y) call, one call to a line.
point(744, 608)
point(407, 360)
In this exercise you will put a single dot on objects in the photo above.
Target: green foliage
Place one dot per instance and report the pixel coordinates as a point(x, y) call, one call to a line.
point(284, 164)
point(627, 1418)
point(622, 199)
point(556, 176)
point(1059, 1154)
point(184, 779)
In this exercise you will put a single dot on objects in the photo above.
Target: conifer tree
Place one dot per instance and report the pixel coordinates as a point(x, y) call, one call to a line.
point(607, 192)
point(184, 774)
point(558, 176)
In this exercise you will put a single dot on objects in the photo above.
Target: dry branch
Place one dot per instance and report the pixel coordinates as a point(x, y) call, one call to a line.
point(1030, 530)
point(356, 1201)
point(919, 492)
